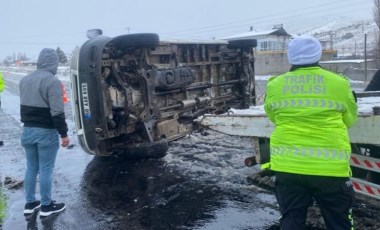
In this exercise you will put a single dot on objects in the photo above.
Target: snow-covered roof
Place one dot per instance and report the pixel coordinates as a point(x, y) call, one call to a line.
point(344, 61)
point(278, 32)
point(192, 41)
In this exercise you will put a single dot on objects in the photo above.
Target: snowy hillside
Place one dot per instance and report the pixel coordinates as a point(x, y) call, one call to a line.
point(347, 37)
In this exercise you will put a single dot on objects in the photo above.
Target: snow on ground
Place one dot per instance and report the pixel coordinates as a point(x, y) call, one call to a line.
point(262, 77)
point(365, 108)
point(366, 105)
point(347, 36)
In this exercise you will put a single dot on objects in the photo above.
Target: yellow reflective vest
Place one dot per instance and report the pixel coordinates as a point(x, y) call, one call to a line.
point(2, 85)
point(312, 109)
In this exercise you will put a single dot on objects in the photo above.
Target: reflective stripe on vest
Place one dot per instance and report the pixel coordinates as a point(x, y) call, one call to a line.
point(319, 153)
point(314, 103)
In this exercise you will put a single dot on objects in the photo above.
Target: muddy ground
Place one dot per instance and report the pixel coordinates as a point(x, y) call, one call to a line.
point(200, 184)
point(196, 186)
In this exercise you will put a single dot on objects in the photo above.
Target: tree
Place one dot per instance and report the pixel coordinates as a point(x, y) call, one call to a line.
point(22, 57)
point(8, 60)
point(376, 12)
point(61, 56)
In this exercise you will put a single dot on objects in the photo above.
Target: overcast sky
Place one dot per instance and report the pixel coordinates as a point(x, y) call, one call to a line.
point(29, 26)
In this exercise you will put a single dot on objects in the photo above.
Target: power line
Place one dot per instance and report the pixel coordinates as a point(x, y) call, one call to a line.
point(235, 25)
point(318, 8)
point(260, 20)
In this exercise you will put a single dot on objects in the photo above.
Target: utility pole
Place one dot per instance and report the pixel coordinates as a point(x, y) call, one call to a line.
point(365, 58)
point(331, 35)
point(362, 26)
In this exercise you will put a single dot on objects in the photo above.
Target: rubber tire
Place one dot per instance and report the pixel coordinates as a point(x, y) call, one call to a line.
point(156, 149)
point(143, 40)
point(243, 43)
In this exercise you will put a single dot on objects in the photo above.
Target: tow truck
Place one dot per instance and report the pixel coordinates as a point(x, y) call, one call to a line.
point(364, 137)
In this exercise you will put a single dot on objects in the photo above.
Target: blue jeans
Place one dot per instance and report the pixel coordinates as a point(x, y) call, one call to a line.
point(41, 147)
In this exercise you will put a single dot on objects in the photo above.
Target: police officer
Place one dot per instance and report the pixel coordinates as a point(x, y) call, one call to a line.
point(2, 85)
point(312, 109)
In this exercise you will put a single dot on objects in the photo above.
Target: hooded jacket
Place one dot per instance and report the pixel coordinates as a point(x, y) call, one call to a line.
point(41, 101)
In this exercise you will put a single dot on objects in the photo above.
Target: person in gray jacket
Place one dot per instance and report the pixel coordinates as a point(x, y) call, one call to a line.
point(42, 112)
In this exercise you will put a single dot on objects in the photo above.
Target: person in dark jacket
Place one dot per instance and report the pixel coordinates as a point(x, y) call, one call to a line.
point(374, 84)
point(42, 112)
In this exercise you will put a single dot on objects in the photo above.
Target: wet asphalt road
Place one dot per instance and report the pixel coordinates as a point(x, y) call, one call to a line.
point(200, 184)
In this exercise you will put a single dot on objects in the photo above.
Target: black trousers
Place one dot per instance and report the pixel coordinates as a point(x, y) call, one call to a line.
point(334, 196)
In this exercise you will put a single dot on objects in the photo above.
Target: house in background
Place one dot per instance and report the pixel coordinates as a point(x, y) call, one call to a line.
point(274, 40)
point(271, 51)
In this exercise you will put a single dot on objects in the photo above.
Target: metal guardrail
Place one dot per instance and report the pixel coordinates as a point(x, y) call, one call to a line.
point(368, 94)
point(366, 188)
